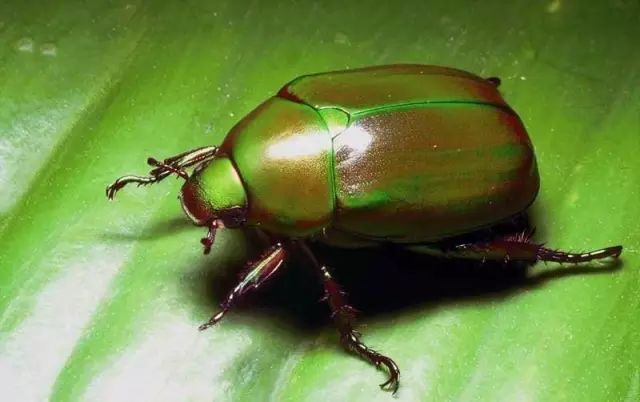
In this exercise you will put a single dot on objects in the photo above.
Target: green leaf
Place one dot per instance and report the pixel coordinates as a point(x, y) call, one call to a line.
point(101, 301)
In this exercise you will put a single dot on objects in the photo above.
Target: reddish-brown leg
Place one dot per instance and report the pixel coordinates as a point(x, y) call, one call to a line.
point(161, 170)
point(343, 316)
point(208, 240)
point(186, 159)
point(168, 168)
point(519, 248)
point(193, 155)
point(256, 274)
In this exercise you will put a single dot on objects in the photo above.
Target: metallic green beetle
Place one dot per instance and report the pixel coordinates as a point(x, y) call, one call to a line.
point(408, 154)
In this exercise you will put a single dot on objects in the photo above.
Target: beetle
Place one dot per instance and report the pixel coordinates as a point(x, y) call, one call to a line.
point(413, 155)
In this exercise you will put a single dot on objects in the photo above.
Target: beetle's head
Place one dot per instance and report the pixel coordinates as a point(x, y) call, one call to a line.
point(214, 196)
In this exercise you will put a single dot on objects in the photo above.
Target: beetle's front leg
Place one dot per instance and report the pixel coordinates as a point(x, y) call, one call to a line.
point(344, 317)
point(255, 275)
point(161, 170)
point(208, 240)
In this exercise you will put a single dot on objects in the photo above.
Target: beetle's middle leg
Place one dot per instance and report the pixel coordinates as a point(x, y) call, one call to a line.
point(344, 317)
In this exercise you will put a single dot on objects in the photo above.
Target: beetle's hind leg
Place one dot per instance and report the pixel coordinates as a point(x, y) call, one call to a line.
point(519, 247)
point(344, 317)
point(162, 169)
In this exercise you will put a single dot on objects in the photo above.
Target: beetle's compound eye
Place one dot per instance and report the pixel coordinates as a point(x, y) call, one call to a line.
point(210, 193)
point(192, 204)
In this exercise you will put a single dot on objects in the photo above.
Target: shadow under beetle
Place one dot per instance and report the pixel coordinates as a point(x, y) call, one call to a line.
point(409, 154)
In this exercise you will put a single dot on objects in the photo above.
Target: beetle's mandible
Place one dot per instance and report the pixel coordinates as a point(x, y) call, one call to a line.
point(408, 154)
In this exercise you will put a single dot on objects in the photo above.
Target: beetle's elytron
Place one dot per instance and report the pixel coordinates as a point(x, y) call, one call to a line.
point(408, 154)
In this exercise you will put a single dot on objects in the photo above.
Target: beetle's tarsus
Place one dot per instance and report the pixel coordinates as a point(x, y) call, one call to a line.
point(393, 383)
point(113, 188)
point(215, 318)
point(351, 341)
point(559, 256)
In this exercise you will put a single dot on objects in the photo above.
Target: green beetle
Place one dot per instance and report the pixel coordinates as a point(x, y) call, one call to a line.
point(409, 154)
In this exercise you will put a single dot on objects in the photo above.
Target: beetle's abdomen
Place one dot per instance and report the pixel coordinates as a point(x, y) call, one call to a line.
point(421, 172)
point(282, 151)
